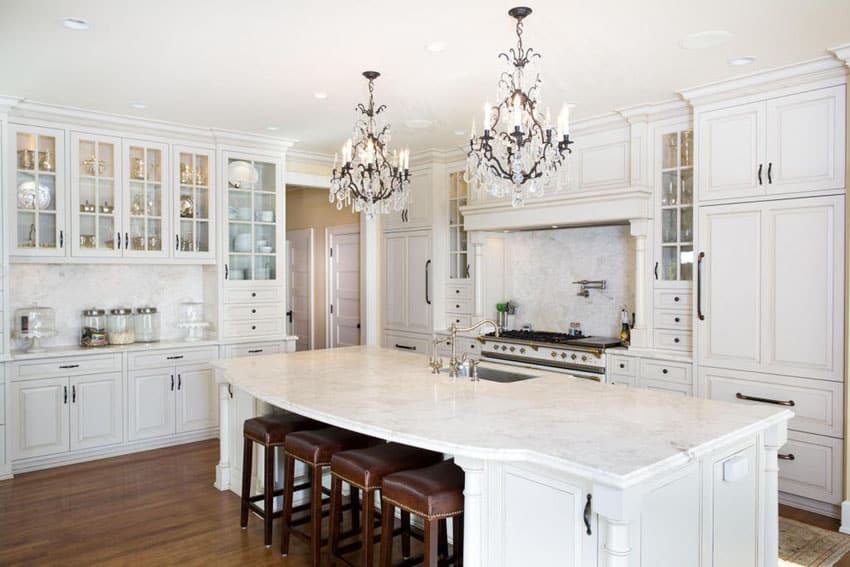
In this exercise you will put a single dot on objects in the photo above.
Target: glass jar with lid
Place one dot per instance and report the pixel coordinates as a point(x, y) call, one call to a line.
point(147, 325)
point(93, 329)
point(120, 329)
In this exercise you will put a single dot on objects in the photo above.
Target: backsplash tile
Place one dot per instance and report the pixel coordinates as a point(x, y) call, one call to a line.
point(541, 265)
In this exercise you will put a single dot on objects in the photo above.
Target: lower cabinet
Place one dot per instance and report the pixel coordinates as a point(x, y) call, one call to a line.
point(410, 342)
point(56, 415)
point(651, 373)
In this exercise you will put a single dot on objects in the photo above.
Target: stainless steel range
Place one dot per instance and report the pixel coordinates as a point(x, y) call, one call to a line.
point(579, 355)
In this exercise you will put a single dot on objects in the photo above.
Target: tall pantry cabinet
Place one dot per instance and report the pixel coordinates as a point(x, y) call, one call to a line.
point(770, 250)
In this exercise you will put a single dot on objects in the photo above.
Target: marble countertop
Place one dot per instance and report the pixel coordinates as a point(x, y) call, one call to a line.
point(617, 435)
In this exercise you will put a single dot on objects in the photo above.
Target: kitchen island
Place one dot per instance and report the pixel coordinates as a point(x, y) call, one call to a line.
point(559, 470)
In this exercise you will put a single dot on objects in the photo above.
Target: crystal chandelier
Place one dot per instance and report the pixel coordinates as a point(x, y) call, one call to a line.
point(367, 180)
point(520, 151)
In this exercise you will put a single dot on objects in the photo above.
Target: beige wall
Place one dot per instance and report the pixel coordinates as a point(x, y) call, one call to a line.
point(309, 208)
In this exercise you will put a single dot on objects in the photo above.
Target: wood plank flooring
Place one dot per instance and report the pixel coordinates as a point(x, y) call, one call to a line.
point(153, 508)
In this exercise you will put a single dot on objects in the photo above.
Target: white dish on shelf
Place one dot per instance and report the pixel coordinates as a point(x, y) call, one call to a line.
point(237, 275)
point(265, 249)
point(29, 195)
point(242, 243)
point(240, 173)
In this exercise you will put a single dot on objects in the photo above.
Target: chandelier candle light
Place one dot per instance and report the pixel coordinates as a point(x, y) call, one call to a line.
point(520, 151)
point(367, 180)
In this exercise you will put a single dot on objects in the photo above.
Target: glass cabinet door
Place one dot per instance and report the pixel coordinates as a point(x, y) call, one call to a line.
point(458, 246)
point(146, 168)
point(95, 195)
point(677, 206)
point(39, 193)
point(193, 205)
point(251, 220)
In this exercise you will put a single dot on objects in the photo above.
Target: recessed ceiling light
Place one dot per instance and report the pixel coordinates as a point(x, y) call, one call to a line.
point(138, 105)
point(320, 95)
point(705, 39)
point(75, 23)
point(742, 60)
point(435, 46)
point(555, 226)
point(460, 132)
point(417, 123)
point(272, 128)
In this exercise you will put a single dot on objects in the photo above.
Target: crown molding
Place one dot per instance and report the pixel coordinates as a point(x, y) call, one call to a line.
point(608, 121)
point(7, 103)
point(674, 108)
point(820, 69)
point(842, 52)
point(304, 156)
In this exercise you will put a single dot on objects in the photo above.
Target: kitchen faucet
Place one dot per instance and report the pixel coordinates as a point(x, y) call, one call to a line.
point(454, 363)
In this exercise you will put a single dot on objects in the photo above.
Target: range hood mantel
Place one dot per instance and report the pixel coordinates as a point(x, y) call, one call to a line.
point(622, 205)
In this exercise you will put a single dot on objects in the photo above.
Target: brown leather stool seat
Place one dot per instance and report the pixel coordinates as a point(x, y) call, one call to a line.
point(269, 431)
point(364, 469)
point(315, 448)
point(434, 493)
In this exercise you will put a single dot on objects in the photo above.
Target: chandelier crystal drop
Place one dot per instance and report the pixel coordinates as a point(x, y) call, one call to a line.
point(520, 152)
point(368, 180)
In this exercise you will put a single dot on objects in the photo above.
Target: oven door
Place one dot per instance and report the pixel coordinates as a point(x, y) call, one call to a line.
point(560, 369)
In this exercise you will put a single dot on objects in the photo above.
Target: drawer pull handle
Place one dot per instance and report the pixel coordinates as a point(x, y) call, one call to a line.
point(622, 365)
point(789, 403)
point(175, 357)
point(67, 366)
point(405, 347)
point(255, 351)
point(787, 456)
point(664, 371)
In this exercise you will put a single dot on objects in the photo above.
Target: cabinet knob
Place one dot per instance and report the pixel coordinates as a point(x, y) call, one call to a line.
point(253, 310)
point(554, 354)
point(253, 327)
point(457, 291)
point(676, 298)
point(622, 365)
point(512, 349)
point(573, 356)
point(254, 294)
point(676, 319)
point(664, 371)
point(676, 340)
point(457, 306)
point(584, 358)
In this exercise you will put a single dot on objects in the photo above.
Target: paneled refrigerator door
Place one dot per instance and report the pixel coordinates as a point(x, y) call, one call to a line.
point(95, 195)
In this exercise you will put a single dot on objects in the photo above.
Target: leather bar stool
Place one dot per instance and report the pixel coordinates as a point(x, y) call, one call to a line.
point(434, 493)
point(363, 469)
point(270, 432)
point(315, 448)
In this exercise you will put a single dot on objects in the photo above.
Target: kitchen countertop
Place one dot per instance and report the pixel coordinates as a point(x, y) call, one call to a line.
point(613, 434)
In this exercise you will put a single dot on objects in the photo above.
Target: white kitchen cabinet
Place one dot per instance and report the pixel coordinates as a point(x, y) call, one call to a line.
point(146, 205)
point(408, 282)
point(193, 202)
point(770, 287)
point(419, 210)
point(39, 417)
point(789, 144)
point(97, 416)
point(197, 398)
point(151, 403)
point(811, 466)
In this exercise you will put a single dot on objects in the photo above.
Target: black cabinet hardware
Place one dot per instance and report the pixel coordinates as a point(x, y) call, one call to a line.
point(760, 183)
point(290, 314)
point(770, 173)
point(65, 400)
point(664, 371)
point(587, 514)
point(405, 347)
point(427, 284)
point(66, 366)
point(226, 271)
point(676, 319)
point(177, 242)
point(175, 357)
point(61, 239)
point(255, 351)
point(789, 403)
point(786, 456)
point(656, 270)
point(172, 382)
point(179, 381)
point(73, 394)
point(253, 327)
point(700, 258)
point(676, 340)
point(253, 294)
point(126, 241)
point(118, 240)
point(622, 365)
point(676, 299)
point(230, 390)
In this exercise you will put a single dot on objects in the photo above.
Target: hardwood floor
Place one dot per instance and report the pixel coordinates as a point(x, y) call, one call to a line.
point(152, 508)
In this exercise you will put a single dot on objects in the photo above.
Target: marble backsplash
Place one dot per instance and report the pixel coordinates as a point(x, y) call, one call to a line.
point(71, 288)
point(541, 265)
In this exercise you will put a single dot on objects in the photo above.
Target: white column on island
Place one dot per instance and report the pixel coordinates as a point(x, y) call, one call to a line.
point(639, 228)
point(474, 511)
point(222, 469)
point(774, 438)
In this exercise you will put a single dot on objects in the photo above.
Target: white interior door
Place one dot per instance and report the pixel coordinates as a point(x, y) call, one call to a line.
point(344, 286)
point(300, 286)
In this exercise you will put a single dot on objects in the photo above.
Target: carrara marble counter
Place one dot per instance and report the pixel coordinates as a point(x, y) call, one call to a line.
point(576, 438)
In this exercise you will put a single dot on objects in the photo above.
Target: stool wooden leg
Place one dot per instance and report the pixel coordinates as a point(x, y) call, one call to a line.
point(431, 537)
point(367, 533)
point(443, 542)
point(405, 534)
point(268, 495)
point(355, 507)
point(335, 517)
point(288, 484)
point(247, 456)
point(316, 515)
point(457, 536)
point(387, 519)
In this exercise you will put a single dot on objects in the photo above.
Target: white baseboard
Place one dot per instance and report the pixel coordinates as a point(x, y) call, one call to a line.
point(822, 508)
point(845, 517)
point(39, 463)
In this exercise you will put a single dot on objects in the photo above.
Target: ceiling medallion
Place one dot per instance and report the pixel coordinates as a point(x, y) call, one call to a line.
point(520, 151)
point(367, 181)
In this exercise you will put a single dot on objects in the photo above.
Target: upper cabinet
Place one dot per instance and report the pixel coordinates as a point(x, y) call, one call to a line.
point(676, 206)
point(458, 240)
point(36, 191)
point(791, 144)
point(193, 204)
point(253, 244)
point(145, 202)
point(96, 195)
point(418, 213)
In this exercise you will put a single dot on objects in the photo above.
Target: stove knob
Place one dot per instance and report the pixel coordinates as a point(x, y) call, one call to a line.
point(554, 354)
point(583, 358)
point(512, 349)
point(504, 348)
point(563, 355)
point(495, 347)
point(573, 356)
point(522, 350)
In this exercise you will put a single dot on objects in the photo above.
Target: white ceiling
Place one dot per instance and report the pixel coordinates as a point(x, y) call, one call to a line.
point(255, 63)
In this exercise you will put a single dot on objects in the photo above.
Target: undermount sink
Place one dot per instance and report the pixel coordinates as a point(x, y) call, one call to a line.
point(494, 375)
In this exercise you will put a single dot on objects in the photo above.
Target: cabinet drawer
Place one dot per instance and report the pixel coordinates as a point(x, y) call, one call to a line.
point(420, 345)
point(665, 371)
point(65, 367)
point(623, 365)
point(671, 299)
point(811, 467)
point(673, 340)
point(238, 351)
point(622, 380)
point(462, 321)
point(249, 311)
point(461, 306)
point(684, 389)
point(818, 404)
point(247, 329)
point(673, 320)
point(253, 295)
point(166, 358)
point(458, 292)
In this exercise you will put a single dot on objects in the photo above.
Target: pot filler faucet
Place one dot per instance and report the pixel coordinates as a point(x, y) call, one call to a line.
point(454, 363)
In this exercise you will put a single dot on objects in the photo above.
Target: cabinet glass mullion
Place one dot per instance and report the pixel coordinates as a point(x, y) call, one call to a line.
point(677, 206)
point(252, 228)
point(457, 234)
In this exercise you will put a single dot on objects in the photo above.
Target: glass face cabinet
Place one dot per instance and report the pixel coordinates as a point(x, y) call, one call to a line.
point(193, 204)
point(252, 210)
point(677, 207)
point(458, 238)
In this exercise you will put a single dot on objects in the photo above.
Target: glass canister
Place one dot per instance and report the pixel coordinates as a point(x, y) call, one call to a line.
point(147, 325)
point(93, 329)
point(120, 329)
